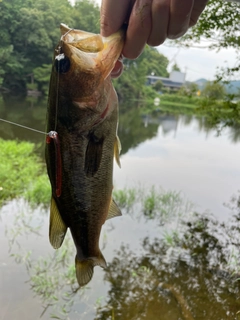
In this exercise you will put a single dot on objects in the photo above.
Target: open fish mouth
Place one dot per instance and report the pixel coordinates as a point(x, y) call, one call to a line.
point(77, 47)
point(84, 41)
point(89, 42)
point(88, 50)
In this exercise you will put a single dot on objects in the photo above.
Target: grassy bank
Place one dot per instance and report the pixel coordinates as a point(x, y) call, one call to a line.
point(179, 104)
point(22, 173)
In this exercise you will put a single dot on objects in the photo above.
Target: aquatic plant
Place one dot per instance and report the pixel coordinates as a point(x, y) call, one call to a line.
point(185, 269)
point(126, 198)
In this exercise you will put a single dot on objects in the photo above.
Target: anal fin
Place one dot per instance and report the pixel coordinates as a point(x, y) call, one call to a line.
point(113, 211)
point(57, 228)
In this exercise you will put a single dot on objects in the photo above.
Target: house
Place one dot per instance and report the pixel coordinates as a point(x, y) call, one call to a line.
point(175, 81)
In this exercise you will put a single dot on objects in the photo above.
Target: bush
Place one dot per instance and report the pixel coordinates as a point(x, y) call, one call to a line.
point(179, 99)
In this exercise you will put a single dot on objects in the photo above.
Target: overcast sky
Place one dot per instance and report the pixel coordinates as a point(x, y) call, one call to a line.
point(197, 63)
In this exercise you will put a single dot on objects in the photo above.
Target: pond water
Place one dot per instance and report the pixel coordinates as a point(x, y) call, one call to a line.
point(174, 254)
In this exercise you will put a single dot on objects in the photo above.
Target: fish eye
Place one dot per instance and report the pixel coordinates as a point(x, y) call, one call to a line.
point(62, 63)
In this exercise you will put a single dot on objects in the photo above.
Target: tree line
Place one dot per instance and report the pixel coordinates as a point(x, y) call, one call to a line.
point(29, 32)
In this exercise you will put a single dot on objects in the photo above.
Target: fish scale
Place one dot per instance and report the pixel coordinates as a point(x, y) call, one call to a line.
point(83, 108)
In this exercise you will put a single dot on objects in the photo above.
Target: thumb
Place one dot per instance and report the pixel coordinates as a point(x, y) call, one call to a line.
point(113, 15)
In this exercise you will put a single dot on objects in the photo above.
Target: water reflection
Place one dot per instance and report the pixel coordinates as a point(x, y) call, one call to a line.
point(135, 124)
point(29, 112)
point(191, 275)
point(169, 262)
point(48, 274)
point(185, 265)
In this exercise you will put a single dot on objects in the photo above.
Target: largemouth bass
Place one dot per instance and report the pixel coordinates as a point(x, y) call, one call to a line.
point(82, 124)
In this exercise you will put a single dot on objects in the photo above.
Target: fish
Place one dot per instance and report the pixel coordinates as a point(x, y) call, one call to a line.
point(82, 142)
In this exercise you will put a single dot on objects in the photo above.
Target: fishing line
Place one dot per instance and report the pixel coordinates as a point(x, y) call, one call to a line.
point(59, 49)
point(52, 135)
point(57, 92)
point(56, 110)
point(22, 126)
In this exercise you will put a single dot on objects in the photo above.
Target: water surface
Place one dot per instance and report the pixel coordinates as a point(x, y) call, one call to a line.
point(174, 254)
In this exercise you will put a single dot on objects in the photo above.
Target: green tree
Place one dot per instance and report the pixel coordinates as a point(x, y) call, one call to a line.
point(41, 76)
point(132, 83)
point(218, 23)
point(158, 85)
point(175, 67)
point(29, 32)
point(213, 91)
point(12, 61)
point(86, 16)
point(155, 62)
point(189, 89)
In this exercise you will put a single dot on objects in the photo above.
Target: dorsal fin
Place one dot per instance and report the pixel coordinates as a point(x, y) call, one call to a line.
point(113, 211)
point(57, 228)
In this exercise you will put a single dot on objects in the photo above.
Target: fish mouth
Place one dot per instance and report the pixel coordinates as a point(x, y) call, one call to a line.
point(91, 51)
point(87, 41)
point(84, 41)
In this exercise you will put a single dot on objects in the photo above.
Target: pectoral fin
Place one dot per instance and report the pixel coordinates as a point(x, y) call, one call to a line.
point(93, 155)
point(57, 228)
point(113, 211)
point(117, 150)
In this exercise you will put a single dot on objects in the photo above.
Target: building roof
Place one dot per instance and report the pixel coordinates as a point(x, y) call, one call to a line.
point(166, 81)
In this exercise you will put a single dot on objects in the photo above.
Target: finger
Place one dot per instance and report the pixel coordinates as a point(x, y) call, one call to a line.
point(139, 28)
point(198, 8)
point(180, 13)
point(160, 18)
point(113, 15)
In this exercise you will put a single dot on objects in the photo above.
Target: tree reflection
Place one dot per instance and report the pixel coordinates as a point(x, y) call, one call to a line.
point(30, 112)
point(136, 123)
point(50, 273)
point(131, 129)
point(195, 277)
point(189, 271)
point(235, 133)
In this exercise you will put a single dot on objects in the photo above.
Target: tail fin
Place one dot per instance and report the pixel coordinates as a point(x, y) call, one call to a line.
point(84, 268)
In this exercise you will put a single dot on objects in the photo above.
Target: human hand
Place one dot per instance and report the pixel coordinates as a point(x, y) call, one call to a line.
point(149, 21)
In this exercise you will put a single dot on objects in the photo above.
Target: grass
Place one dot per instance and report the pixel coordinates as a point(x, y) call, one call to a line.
point(179, 104)
point(125, 198)
point(53, 279)
point(153, 203)
point(22, 173)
